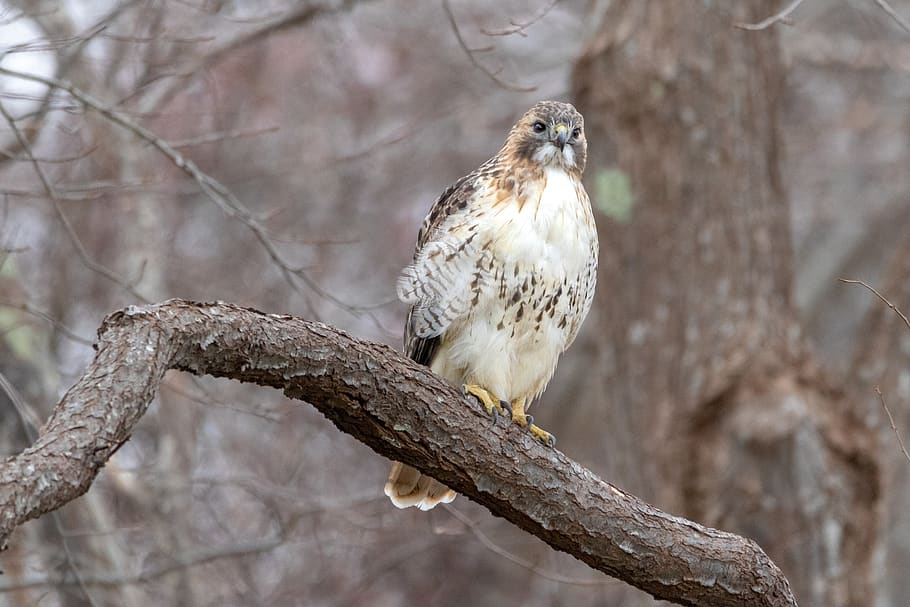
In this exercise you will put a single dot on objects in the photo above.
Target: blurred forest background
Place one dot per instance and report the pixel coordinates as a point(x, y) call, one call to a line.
point(724, 374)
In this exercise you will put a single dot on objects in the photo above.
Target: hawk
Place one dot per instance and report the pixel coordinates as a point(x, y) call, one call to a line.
point(502, 277)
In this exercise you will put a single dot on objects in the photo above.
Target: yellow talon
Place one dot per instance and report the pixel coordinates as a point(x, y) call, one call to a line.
point(492, 404)
point(542, 435)
point(526, 421)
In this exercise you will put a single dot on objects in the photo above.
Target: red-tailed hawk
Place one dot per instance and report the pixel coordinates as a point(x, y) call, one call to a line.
point(502, 277)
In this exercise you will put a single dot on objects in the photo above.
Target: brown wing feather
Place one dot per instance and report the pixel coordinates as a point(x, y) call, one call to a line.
point(419, 349)
point(455, 199)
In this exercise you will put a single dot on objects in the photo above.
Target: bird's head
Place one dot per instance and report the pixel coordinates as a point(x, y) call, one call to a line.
point(550, 134)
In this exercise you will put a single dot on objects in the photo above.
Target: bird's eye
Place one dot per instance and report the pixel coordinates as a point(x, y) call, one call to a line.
point(539, 127)
point(576, 133)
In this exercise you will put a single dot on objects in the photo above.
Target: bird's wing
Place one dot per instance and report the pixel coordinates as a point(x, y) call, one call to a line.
point(588, 281)
point(450, 267)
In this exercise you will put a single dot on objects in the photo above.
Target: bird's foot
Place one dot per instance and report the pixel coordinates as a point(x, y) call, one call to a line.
point(493, 405)
point(542, 435)
point(527, 422)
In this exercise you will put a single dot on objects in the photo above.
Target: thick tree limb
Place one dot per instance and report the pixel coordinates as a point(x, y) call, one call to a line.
point(400, 410)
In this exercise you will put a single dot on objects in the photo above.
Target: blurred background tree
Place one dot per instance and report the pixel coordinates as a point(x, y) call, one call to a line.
point(725, 374)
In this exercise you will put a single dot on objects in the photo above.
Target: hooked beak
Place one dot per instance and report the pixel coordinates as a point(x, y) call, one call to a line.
point(559, 135)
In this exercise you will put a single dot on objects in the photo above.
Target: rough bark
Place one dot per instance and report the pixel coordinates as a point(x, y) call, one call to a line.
point(400, 410)
point(702, 356)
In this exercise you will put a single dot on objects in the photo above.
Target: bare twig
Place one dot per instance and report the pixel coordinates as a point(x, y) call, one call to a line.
point(87, 260)
point(44, 46)
point(48, 160)
point(29, 309)
point(274, 24)
point(74, 44)
point(897, 433)
point(8, 15)
point(173, 563)
point(222, 136)
point(880, 296)
point(492, 546)
point(158, 37)
point(878, 391)
point(885, 6)
point(303, 505)
point(79, 578)
point(775, 18)
point(519, 27)
point(209, 399)
point(494, 76)
point(213, 189)
point(31, 421)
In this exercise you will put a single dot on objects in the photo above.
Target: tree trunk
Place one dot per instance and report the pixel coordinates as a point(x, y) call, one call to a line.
point(703, 361)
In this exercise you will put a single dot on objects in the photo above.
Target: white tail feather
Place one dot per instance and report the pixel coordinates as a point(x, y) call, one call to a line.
point(407, 487)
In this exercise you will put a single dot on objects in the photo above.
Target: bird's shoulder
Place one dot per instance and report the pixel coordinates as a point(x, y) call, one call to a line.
point(462, 197)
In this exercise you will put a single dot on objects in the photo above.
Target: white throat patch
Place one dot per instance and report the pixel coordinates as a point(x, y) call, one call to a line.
point(549, 155)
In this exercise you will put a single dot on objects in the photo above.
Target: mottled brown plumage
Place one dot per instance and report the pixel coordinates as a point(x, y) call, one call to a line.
point(502, 276)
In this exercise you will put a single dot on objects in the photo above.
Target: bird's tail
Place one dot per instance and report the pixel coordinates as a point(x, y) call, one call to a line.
point(408, 487)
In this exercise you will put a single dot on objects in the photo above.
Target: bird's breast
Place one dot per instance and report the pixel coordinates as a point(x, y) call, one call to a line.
point(548, 224)
point(542, 250)
point(531, 296)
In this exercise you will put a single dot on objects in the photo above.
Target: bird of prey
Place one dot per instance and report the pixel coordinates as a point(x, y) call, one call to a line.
point(502, 277)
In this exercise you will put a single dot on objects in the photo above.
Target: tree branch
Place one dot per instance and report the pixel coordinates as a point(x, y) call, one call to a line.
point(775, 18)
point(399, 409)
point(173, 563)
